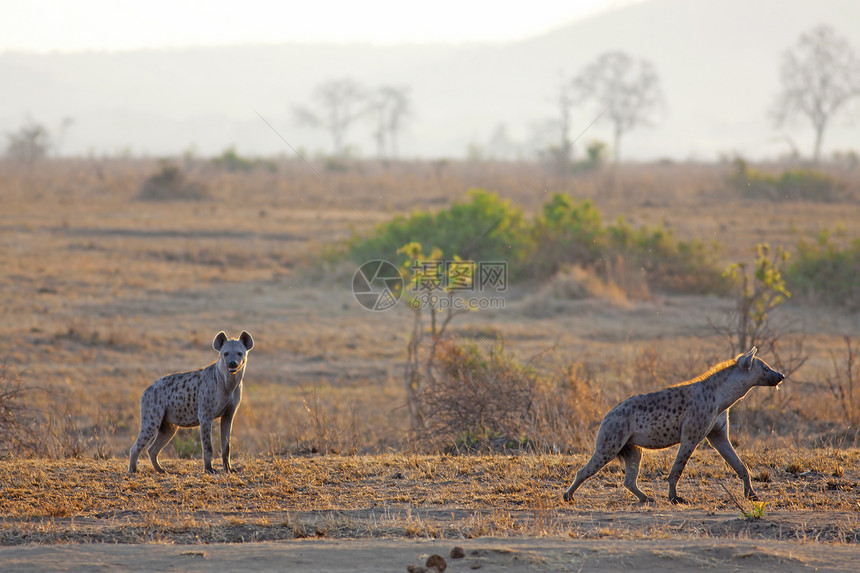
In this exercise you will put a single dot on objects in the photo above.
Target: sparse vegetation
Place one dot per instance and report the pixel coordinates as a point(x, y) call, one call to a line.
point(106, 292)
point(758, 293)
point(231, 161)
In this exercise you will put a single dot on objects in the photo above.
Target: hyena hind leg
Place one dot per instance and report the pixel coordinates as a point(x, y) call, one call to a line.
point(146, 435)
point(165, 434)
point(632, 456)
point(600, 458)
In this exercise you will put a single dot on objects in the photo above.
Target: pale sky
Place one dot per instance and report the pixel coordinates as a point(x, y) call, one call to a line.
point(83, 25)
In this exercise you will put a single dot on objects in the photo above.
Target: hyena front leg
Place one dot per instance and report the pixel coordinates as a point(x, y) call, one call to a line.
point(719, 439)
point(692, 433)
point(226, 428)
point(206, 442)
point(684, 453)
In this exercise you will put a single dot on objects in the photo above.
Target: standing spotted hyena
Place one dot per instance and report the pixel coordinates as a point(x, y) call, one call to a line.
point(189, 399)
point(686, 413)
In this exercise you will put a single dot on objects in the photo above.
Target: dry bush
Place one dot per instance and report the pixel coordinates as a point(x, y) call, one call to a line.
point(485, 400)
point(844, 387)
point(171, 184)
point(758, 293)
point(70, 433)
point(20, 435)
point(326, 427)
point(567, 407)
point(57, 428)
point(844, 383)
point(578, 283)
point(475, 399)
point(319, 419)
point(631, 280)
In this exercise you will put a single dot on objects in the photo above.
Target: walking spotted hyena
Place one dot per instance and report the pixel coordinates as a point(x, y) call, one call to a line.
point(188, 399)
point(685, 413)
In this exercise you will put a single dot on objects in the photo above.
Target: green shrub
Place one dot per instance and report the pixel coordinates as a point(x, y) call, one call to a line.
point(808, 184)
point(792, 184)
point(483, 228)
point(825, 273)
point(669, 264)
point(567, 232)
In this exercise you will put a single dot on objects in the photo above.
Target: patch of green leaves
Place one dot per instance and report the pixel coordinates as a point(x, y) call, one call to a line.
point(566, 232)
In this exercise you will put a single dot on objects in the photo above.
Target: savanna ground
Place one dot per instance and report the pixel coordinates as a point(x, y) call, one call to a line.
point(103, 292)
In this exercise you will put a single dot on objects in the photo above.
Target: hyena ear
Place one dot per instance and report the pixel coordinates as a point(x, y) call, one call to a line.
point(745, 361)
point(246, 339)
point(219, 341)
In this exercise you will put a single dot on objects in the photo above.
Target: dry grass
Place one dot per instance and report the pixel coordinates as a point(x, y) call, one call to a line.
point(396, 495)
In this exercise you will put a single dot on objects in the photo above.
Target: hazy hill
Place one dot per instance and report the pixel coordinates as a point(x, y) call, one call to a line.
point(718, 60)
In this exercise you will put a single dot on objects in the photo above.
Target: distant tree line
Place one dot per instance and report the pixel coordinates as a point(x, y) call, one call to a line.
point(819, 76)
point(819, 80)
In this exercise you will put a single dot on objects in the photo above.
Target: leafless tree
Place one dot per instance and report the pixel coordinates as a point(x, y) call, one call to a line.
point(565, 99)
point(389, 106)
point(819, 75)
point(627, 91)
point(29, 144)
point(338, 104)
point(500, 144)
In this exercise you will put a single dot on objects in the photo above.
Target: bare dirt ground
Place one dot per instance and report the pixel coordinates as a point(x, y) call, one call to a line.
point(485, 554)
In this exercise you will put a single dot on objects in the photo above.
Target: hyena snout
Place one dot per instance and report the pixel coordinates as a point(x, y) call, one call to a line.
point(774, 377)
